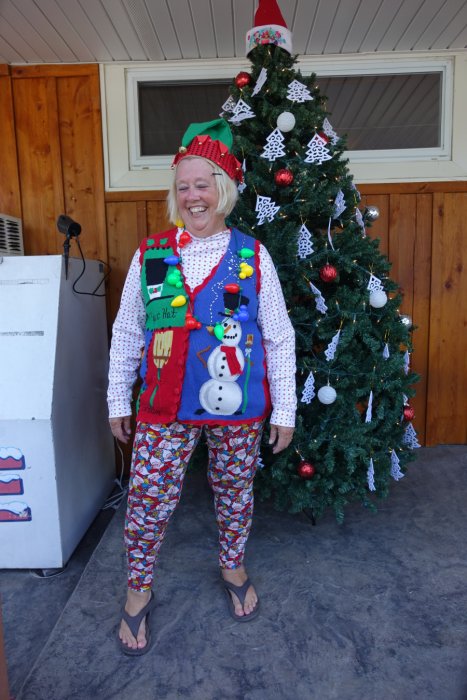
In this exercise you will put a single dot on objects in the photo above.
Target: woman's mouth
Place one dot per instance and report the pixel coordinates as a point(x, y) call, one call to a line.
point(197, 210)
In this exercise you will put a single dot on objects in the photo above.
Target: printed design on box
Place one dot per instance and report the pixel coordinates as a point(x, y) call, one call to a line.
point(11, 485)
point(15, 512)
point(11, 458)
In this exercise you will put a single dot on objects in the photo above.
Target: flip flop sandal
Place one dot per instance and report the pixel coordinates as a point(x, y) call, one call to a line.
point(240, 592)
point(133, 622)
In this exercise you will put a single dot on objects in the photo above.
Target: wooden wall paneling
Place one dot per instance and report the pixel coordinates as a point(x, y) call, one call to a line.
point(157, 217)
point(421, 307)
point(10, 200)
point(82, 161)
point(447, 377)
point(37, 130)
point(379, 228)
point(403, 255)
point(126, 226)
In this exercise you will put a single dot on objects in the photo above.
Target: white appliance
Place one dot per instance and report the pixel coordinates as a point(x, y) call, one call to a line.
point(57, 463)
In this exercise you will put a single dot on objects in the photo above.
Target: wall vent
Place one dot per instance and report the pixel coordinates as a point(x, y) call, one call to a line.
point(11, 235)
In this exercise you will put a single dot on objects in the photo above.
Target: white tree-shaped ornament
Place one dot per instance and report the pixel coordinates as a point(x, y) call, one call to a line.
point(359, 220)
point(298, 92)
point(228, 106)
point(339, 205)
point(317, 150)
point(241, 111)
point(329, 131)
point(305, 243)
point(396, 472)
point(266, 209)
point(308, 393)
point(275, 148)
point(242, 185)
point(410, 437)
point(260, 82)
point(332, 347)
point(371, 476)
point(319, 299)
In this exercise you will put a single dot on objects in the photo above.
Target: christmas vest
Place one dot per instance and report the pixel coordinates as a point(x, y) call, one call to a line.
point(204, 359)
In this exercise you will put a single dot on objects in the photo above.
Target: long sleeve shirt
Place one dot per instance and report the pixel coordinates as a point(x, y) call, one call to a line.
point(199, 258)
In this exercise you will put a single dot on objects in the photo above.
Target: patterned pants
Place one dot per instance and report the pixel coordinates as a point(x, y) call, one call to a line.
point(160, 457)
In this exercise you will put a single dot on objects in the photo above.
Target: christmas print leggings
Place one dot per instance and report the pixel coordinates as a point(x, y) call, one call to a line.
point(160, 457)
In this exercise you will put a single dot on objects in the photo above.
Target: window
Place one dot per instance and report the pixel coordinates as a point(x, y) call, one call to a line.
point(394, 109)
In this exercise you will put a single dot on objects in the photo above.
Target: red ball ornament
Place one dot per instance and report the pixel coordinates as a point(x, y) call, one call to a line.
point(328, 273)
point(409, 413)
point(283, 177)
point(242, 79)
point(232, 288)
point(306, 470)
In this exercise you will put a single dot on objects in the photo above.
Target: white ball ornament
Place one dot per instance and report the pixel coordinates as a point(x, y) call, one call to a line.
point(327, 394)
point(378, 298)
point(285, 121)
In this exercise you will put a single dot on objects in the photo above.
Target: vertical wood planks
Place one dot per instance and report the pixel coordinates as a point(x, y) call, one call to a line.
point(81, 160)
point(59, 141)
point(10, 202)
point(380, 228)
point(447, 379)
point(123, 239)
point(39, 163)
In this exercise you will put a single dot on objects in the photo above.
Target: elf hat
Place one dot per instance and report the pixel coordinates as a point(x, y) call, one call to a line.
point(212, 140)
point(270, 28)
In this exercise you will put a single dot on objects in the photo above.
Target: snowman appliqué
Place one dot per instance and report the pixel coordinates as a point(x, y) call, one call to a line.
point(222, 395)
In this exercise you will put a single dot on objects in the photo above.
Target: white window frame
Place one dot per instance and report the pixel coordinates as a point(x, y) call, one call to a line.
point(125, 168)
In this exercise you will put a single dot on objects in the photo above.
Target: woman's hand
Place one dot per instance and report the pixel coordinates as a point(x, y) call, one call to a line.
point(121, 428)
point(280, 437)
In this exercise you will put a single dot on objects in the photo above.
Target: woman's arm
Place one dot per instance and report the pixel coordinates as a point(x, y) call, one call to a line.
point(126, 347)
point(279, 342)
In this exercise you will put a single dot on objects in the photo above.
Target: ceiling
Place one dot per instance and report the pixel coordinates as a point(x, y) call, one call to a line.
point(84, 31)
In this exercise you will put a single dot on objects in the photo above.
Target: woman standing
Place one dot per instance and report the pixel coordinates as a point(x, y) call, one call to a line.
point(204, 304)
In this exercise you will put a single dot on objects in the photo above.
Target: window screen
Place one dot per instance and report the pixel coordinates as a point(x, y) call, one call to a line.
point(385, 111)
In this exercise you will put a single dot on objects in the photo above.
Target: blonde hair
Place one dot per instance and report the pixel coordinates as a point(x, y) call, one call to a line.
point(226, 189)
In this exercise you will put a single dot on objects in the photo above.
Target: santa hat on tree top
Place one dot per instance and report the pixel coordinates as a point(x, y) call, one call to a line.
point(270, 28)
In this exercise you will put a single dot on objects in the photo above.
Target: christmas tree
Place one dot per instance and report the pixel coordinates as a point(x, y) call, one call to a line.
point(353, 432)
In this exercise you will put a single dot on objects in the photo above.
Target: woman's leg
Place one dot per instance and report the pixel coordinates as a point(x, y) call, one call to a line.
point(233, 454)
point(160, 456)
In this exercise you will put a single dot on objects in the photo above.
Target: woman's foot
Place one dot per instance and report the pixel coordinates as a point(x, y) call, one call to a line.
point(135, 602)
point(238, 577)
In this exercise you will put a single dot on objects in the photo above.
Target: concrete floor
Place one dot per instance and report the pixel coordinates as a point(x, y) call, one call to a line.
point(371, 610)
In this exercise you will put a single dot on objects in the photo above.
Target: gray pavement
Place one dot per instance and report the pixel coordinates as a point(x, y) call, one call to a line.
point(373, 609)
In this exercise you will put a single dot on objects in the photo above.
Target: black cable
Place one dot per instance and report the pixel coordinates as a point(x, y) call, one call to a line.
point(93, 293)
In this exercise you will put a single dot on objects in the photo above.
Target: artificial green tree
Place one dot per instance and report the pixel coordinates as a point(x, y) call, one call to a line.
point(353, 433)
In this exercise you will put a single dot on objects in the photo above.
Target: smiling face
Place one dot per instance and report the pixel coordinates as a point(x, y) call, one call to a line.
point(197, 197)
point(232, 332)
